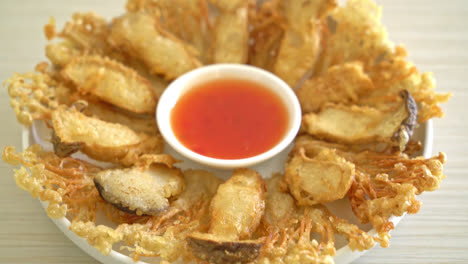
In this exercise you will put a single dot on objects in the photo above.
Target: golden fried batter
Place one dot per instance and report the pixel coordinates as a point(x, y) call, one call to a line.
point(354, 124)
point(101, 140)
point(317, 178)
point(355, 33)
point(139, 35)
point(235, 213)
point(139, 190)
point(231, 33)
point(343, 84)
point(111, 82)
point(194, 28)
point(300, 45)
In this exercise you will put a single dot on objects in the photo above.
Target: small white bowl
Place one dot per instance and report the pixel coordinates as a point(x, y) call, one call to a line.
point(202, 75)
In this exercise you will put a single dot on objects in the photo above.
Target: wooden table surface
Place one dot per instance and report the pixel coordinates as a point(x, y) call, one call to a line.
point(436, 35)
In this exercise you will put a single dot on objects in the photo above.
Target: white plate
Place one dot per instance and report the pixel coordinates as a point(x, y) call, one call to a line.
point(39, 134)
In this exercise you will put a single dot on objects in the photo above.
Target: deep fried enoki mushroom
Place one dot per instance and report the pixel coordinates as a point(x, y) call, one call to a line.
point(235, 213)
point(112, 82)
point(140, 190)
point(84, 34)
point(32, 96)
point(101, 140)
point(163, 235)
point(355, 124)
point(386, 182)
point(390, 78)
point(65, 183)
point(303, 234)
point(318, 177)
point(387, 185)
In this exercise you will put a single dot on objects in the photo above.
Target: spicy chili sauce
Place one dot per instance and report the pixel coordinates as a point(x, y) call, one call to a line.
point(229, 119)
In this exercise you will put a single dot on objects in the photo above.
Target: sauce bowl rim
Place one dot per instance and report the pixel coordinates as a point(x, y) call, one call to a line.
point(182, 84)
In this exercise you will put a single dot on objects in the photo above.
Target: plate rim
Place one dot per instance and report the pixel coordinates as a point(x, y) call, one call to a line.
point(343, 255)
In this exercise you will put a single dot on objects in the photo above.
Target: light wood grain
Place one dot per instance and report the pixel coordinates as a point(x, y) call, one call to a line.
point(434, 32)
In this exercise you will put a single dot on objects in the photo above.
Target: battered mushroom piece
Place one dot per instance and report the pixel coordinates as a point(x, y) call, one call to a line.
point(102, 140)
point(231, 32)
point(301, 40)
point(139, 191)
point(279, 206)
point(201, 185)
point(140, 36)
point(319, 176)
point(112, 82)
point(343, 83)
point(365, 124)
point(235, 213)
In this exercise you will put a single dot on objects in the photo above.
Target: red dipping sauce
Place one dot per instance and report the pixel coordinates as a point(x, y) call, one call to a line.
point(229, 119)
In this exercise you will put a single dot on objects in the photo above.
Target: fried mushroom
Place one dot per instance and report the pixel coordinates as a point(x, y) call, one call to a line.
point(300, 44)
point(342, 83)
point(112, 82)
point(321, 177)
point(352, 124)
point(231, 33)
point(235, 213)
point(140, 36)
point(102, 140)
point(138, 191)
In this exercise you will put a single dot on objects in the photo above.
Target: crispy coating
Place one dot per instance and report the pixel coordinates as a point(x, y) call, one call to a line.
point(386, 182)
point(266, 34)
point(231, 33)
point(139, 35)
point(91, 106)
point(386, 185)
point(355, 32)
point(140, 124)
point(235, 213)
point(318, 178)
point(84, 34)
point(343, 84)
point(300, 44)
point(102, 140)
point(140, 191)
point(32, 97)
point(187, 19)
point(392, 77)
point(231, 218)
point(61, 53)
point(200, 185)
point(163, 235)
point(279, 205)
point(111, 82)
point(62, 182)
point(355, 124)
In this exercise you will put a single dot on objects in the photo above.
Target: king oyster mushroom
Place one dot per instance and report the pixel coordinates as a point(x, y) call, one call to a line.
point(235, 213)
point(138, 190)
point(363, 124)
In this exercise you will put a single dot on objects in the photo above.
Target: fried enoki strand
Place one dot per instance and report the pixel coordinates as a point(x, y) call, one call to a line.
point(32, 96)
point(50, 186)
